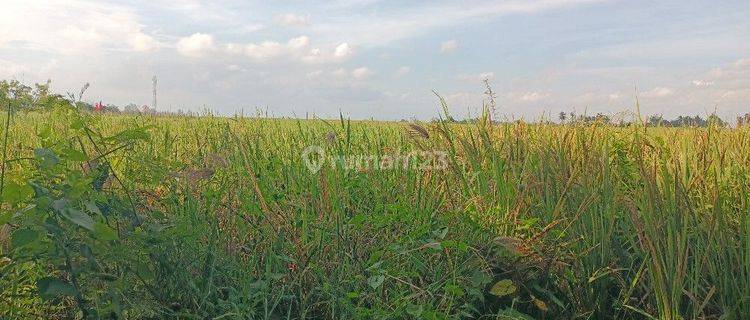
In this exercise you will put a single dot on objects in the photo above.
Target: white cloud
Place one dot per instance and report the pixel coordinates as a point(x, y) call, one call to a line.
point(703, 83)
point(298, 49)
point(448, 46)
point(658, 92)
point(72, 27)
point(386, 26)
point(298, 42)
point(362, 73)
point(343, 50)
point(477, 77)
point(402, 71)
point(530, 96)
point(293, 20)
point(314, 74)
point(264, 50)
point(340, 73)
point(196, 45)
point(463, 99)
point(142, 42)
point(234, 67)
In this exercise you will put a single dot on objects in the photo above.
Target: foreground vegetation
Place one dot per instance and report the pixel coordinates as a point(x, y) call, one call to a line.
point(133, 216)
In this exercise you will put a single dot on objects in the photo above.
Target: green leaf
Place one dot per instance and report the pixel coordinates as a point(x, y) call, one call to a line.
point(512, 314)
point(14, 193)
point(77, 124)
point(145, 273)
point(46, 157)
point(104, 232)
point(79, 217)
point(414, 309)
point(130, 135)
point(73, 155)
point(22, 237)
point(52, 287)
point(6, 217)
point(376, 281)
point(453, 290)
point(93, 208)
point(503, 288)
point(434, 246)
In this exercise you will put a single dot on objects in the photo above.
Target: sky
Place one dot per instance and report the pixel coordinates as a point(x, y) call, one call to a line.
point(383, 59)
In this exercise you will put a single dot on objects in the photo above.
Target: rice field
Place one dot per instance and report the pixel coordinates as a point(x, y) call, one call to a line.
point(127, 216)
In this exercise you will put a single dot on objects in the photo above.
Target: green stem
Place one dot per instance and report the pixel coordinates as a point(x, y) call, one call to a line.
point(5, 153)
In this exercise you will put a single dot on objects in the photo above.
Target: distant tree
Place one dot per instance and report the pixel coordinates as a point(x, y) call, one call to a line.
point(743, 120)
point(131, 108)
point(562, 116)
point(714, 119)
point(686, 121)
point(655, 121)
point(22, 96)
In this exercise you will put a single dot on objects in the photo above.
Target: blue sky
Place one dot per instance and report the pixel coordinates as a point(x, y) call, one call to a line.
point(382, 59)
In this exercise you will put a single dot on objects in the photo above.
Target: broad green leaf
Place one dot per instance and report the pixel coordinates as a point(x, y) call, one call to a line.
point(77, 123)
point(73, 155)
point(104, 232)
point(59, 205)
point(52, 287)
point(79, 217)
point(6, 217)
point(503, 288)
point(14, 193)
point(22, 237)
point(93, 208)
point(453, 290)
point(46, 157)
point(376, 281)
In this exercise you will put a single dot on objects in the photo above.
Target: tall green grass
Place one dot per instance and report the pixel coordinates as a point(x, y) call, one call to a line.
point(220, 218)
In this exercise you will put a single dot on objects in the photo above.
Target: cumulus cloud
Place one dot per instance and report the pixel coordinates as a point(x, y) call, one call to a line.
point(448, 46)
point(314, 74)
point(142, 42)
point(340, 73)
point(60, 27)
point(529, 96)
point(293, 20)
point(196, 45)
point(344, 75)
point(296, 49)
point(362, 73)
point(299, 42)
point(461, 99)
point(402, 71)
point(703, 83)
point(343, 50)
point(264, 50)
point(658, 92)
point(476, 77)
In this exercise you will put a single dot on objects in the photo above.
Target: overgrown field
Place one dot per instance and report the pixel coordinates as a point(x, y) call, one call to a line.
point(221, 218)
